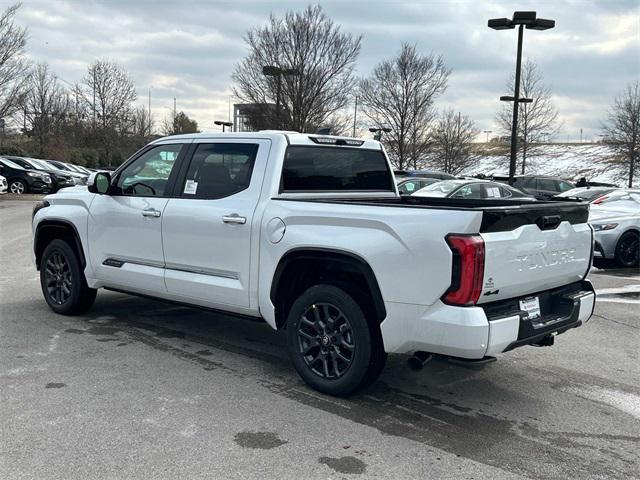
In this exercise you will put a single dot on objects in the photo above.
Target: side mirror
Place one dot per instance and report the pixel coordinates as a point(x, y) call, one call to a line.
point(99, 182)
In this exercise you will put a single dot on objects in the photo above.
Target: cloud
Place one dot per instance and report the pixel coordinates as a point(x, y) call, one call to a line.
point(188, 51)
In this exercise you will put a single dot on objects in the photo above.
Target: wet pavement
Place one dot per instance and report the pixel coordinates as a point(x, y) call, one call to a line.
point(141, 389)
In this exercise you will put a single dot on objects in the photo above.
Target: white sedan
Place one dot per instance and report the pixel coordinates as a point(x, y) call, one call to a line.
point(3, 185)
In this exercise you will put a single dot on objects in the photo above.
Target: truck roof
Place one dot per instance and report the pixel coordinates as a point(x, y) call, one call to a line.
point(292, 138)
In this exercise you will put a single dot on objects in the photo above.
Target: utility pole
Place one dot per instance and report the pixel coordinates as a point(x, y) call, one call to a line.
point(355, 116)
point(149, 111)
point(94, 98)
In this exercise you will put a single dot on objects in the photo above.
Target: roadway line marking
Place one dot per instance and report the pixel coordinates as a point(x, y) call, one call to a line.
point(614, 290)
point(623, 401)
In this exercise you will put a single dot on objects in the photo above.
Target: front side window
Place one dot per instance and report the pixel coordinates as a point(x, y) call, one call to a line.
point(148, 175)
point(546, 184)
point(335, 169)
point(564, 186)
point(218, 170)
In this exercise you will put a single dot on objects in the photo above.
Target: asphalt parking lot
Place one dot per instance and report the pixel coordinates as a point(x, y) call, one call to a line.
point(141, 389)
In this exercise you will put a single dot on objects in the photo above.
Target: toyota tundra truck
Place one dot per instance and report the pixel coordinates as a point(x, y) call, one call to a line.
point(309, 234)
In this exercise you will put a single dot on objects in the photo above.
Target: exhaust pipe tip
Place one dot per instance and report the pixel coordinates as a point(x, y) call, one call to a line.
point(419, 360)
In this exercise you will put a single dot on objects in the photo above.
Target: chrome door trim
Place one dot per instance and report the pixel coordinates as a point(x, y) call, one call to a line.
point(118, 262)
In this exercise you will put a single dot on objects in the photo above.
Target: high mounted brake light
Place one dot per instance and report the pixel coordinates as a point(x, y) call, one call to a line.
point(468, 269)
point(336, 141)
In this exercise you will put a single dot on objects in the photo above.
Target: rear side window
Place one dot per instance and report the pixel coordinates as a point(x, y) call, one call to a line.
point(218, 170)
point(316, 169)
point(548, 185)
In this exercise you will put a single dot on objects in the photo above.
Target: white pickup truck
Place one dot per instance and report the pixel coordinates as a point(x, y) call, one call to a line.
point(309, 234)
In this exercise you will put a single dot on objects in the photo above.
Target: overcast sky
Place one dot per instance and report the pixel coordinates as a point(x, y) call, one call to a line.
point(188, 49)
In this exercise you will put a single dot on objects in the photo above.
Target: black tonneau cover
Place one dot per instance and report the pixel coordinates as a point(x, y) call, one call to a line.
point(499, 215)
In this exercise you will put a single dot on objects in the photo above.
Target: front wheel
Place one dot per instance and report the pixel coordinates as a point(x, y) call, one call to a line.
point(63, 283)
point(628, 250)
point(332, 345)
point(18, 187)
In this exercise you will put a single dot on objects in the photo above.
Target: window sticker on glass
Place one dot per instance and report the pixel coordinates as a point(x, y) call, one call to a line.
point(191, 187)
point(493, 192)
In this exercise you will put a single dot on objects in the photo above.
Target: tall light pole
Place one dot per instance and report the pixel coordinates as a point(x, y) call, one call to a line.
point(487, 132)
point(273, 71)
point(531, 22)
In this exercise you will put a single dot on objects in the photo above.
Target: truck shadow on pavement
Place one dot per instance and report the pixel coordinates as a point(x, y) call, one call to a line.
point(450, 407)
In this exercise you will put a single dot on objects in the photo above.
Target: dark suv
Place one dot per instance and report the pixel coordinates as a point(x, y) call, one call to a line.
point(60, 179)
point(540, 186)
point(22, 180)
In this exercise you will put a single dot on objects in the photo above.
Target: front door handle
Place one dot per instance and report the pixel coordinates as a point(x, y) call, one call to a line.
point(234, 218)
point(151, 212)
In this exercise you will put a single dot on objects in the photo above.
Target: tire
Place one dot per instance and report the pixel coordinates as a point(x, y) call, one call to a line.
point(62, 280)
point(18, 187)
point(331, 344)
point(628, 250)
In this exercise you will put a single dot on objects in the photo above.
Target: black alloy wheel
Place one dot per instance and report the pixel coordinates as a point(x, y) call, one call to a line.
point(628, 250)
point(334, 339)
point(62, 280)
point(325, 340)
point(58, 279)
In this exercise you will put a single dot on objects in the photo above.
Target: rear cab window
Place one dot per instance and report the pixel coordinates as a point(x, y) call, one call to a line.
point(335, 169)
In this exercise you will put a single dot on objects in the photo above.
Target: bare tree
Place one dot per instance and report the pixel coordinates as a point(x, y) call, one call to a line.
point(319, 58)
point(46, 106)
point(141, 122)
point(399, 94)
point(535, 119)
point(13, 64)
point(452, 140)
point(109, 93)
point(623, 128)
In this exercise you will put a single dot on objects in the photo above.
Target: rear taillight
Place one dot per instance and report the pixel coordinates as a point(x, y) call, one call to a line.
point(468, 269)
point(599, 200)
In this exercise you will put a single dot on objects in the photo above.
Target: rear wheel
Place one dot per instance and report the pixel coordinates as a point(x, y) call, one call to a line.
point(62, 281)
point(18, 187)
point(628, 250)
point(332, 345)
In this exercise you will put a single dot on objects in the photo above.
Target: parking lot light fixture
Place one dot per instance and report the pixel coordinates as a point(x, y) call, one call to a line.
point(377, 132)
point(274, 71)
point(531, 21)
point(224, 124)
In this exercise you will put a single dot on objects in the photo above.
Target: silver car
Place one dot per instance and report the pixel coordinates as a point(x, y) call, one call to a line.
point(616, 222)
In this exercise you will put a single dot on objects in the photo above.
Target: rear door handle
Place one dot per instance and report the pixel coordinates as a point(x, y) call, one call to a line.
point(234, 218)
point(151, 212)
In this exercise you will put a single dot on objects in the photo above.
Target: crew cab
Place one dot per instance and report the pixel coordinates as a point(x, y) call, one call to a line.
point(309, 234)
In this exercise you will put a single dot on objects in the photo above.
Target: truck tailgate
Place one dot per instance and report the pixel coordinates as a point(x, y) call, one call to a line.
point(534, 251)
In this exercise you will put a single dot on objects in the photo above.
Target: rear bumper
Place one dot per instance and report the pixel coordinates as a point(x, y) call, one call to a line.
point(476, 332)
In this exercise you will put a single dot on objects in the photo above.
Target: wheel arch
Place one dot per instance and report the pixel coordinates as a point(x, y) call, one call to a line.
point(300, 268)
point(48, 230)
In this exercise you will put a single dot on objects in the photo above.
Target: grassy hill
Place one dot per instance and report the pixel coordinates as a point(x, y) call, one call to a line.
point(567, 160)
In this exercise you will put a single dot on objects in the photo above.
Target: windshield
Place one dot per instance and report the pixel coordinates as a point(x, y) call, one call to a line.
point(10, 164)
point(58, 165)
point(440, 189)
point(40, 164)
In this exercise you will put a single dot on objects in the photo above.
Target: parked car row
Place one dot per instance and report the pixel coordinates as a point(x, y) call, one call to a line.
point(30, 175)
point(614, 213)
